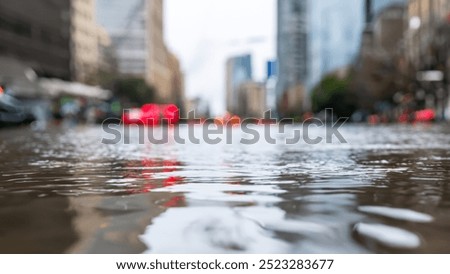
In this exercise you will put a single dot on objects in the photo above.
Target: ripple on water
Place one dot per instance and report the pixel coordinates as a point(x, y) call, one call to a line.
point(209, 230)
point(234, 193)
point(275, 219)
point(397, 213)
point(260, 198)
point(121, 181)
point(388, 236)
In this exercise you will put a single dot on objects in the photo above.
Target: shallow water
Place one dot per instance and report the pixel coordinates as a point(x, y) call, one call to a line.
point(385, 191)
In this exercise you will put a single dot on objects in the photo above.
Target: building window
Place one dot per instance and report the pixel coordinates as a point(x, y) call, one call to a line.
point(297, 6)
point(15, 26)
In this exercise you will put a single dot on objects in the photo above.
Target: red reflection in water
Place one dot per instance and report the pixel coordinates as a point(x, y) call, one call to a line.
point(175, 201)
point(172, 181)
point(151, 168)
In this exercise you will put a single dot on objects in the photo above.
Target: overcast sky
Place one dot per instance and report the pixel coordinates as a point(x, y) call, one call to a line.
point(204, 33)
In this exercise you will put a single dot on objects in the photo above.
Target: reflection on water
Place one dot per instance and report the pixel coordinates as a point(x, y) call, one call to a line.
point(386, 190)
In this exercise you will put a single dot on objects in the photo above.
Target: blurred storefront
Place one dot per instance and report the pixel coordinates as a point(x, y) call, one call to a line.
point(428, 52)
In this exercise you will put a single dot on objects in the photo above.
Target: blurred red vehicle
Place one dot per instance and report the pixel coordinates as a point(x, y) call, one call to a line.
point(152, 115)
point(421, 116)
point(132, 116)
point(426, 115)
point(171, 114)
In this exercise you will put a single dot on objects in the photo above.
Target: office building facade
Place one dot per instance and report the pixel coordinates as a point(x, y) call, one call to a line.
point(238, 71)
point(136, 30)
point(38, 33)
point(292, 52)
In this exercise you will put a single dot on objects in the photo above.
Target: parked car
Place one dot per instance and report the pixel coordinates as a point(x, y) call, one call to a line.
point(12, 111)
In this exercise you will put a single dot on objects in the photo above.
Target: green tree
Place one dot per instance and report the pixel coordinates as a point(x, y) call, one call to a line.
point(135, 91)
point(334, 92)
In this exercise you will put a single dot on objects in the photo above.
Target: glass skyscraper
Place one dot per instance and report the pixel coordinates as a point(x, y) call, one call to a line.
point(316, 37)
point(126, 23)
point(239, 71)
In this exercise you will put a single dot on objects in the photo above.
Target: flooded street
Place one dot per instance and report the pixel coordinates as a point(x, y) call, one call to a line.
point(385, 191)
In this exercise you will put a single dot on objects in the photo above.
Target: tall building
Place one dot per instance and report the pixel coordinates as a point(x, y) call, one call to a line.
point(158, 63)
point(252, 100)
point(84, 41)
point(57, 39)
point(428, 49)
point(245, 97)
point(238, 71)
point(292, 51)
point(136, 30)
point(37, 33)
point(316, 38)
point(177, 95)
point(126, 24)
point(425, 17)
point(377, 76)
point(372, 8)
point(335, 28)
point(379, 5)
point(271, 82)
point(197, 108)
point(104, 49)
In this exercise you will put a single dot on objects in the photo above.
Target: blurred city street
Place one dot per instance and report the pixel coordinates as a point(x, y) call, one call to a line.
point(225, 126)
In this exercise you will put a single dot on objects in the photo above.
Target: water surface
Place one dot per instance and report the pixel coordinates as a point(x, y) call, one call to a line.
point(385, 191)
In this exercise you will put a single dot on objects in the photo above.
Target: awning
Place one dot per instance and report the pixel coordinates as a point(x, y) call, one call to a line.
point(55, 87)
point(23, 82)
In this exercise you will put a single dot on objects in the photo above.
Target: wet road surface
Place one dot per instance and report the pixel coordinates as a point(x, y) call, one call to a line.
point(385, 191)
